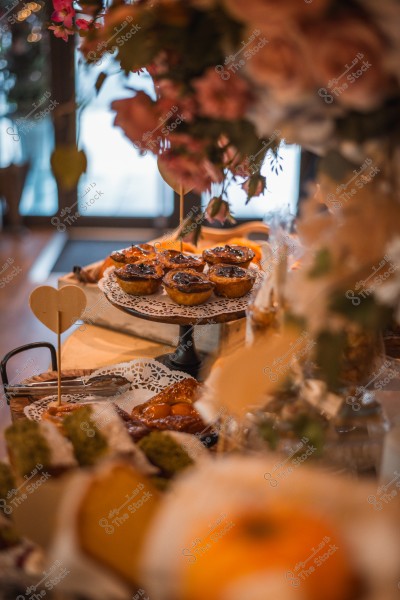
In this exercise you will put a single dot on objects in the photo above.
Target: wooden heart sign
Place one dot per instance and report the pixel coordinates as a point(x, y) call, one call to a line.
point(172, 180)
point(58, 309)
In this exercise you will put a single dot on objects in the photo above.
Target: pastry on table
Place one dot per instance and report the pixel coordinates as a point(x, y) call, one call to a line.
point(140, 279)
point(225, 529)
point(188, 287)
point(96, 432)
point(37, 447)
point(134, 427)
point(103, 519)
point(55, 413)
point(240, 256)
point(173, 408)
point(133, 254)
point(173, 259)
point(231, 281)
point(172, 451)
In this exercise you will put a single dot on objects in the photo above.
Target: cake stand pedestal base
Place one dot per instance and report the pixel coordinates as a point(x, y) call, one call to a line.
point(185, 358)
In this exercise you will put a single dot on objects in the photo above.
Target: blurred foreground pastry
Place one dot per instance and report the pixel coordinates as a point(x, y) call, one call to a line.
point(34, 448)
point(226, 533)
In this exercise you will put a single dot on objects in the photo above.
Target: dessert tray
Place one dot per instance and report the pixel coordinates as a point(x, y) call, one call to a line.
point(160, 307)
point(148, 377)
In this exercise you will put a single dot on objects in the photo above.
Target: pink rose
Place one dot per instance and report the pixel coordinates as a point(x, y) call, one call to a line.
point(277, 58)
point(348, 57)
point(83, 24)
point(195, 171)
point(139, 119)
point(259, 189)
point(61, 32)
point(173, 95)
point(63, 13)
point(222, 99)
point(262, 13)
point(218, 211)
point(232, 159)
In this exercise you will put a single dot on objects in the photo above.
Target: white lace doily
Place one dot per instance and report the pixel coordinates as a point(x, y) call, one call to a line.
point(148, 377)
point(160, 305)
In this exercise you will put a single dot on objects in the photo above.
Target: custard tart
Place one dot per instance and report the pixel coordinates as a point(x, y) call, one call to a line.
point(133, 254)
point(173, 259)
point(140, 279)
point(229, 255)
point(231, 281)
point(187, 286)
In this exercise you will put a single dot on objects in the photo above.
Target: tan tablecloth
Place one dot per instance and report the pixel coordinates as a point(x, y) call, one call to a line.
point(91, 347)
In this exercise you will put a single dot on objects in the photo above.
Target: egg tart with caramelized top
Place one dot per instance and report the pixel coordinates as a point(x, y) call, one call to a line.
point(133, 254)
point(173, 259)
point(229, 255)
point(187, 286)
point(140, 279)
point(231, 281)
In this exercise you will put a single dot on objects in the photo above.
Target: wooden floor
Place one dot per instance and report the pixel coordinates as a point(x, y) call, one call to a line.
point(18, 325)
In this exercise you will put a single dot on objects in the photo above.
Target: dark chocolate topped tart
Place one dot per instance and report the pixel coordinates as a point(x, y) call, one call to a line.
point(229, 255)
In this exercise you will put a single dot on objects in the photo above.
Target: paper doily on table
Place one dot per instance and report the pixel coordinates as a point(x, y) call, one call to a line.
point(148, 377)
point(161, 305)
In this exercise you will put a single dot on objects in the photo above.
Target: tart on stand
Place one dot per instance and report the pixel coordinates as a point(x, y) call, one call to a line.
point(231, 281)
point(188, 287)
point(173, 259)
point(140, 279)
point(229, 255)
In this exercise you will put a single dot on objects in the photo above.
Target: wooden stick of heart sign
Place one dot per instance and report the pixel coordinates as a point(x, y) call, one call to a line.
point(178, 186)
point(58, 310)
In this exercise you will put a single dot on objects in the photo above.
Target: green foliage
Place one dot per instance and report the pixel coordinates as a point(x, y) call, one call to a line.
point(329, 350)
point(322, 264)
